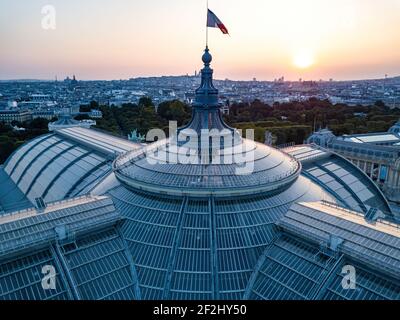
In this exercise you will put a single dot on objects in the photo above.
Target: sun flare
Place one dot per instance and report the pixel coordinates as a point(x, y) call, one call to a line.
point(303, 59)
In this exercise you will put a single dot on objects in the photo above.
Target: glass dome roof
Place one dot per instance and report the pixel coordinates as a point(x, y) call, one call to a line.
point(269, 169)
point(207, 157)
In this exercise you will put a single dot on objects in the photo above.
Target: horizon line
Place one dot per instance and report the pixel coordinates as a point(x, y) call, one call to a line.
point(192, 75)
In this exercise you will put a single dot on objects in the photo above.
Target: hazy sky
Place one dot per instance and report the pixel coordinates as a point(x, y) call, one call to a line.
point(119, 39)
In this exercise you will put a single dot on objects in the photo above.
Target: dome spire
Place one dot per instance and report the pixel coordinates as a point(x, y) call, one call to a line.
point(206, 108)
point(206, 94)
point(206, 114)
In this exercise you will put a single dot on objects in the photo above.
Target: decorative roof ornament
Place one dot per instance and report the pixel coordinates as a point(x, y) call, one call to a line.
point(135, 136)
point(206, 107)
point(206, 94)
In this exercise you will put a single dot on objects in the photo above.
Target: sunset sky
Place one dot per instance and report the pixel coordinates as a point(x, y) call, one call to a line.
point(119, 39)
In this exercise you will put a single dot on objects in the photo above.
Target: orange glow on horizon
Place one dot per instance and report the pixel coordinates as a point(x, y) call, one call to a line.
point(106, 39)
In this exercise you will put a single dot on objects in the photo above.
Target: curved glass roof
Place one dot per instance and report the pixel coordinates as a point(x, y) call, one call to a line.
point(341, 178)
point(195, 249)
point(175, 242)
point(62, 164)
point(292, 269)
point(51, 167)
point(270, 170)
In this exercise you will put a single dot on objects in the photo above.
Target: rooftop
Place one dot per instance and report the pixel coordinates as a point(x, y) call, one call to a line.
point(100, 141)
point(372, 138)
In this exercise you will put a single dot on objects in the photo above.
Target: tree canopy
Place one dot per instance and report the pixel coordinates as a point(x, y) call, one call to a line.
point(288, 122)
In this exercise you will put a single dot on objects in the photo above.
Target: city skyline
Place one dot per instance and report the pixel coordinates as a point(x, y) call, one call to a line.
point(105, 40)
point(205, 214)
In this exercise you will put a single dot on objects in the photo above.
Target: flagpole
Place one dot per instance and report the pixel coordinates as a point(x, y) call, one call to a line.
point(207, 27)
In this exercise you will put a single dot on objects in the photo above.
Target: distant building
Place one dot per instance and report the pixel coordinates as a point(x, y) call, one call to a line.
point(45, 114)
point(8, 116)
point(74, 109)
point(40, 97)
point(96, 114)
point(321, 137)
point(65, 120)
point(224, 107)
point(74, 82)
point(376, 154)
point(167, 93)
point(118, 102)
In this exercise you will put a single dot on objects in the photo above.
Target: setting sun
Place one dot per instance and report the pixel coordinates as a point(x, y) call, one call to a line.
point(303, 59)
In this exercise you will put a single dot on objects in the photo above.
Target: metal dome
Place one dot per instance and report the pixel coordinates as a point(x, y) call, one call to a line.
point(209, 158)
point(270, 170)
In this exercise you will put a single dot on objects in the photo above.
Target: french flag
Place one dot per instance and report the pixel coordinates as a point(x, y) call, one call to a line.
point(214, 22)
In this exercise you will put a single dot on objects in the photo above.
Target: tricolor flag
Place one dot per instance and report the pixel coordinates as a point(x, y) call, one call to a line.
point(214, 22)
